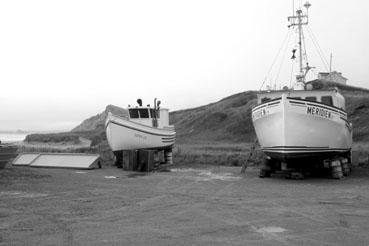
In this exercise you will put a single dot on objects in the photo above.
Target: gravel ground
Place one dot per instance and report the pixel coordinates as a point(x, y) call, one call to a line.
point(187, 206)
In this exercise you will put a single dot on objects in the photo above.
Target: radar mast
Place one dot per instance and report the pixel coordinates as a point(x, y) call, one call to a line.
point(300, 19)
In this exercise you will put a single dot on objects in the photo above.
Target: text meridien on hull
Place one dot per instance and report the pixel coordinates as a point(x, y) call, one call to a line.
point(319, 112)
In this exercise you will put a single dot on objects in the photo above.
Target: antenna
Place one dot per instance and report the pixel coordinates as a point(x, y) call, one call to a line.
point(330, 63)
point(299, 20)
point(155, 116)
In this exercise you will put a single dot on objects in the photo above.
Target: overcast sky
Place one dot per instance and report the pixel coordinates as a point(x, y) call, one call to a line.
point(64, 61)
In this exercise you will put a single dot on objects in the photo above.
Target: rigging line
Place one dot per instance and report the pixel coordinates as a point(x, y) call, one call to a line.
point(316, 75)
point(304, 43)
point(263, 83)
point(321, 56)
point(276, 57)
point(319, 49)
point(291, 75)
point(284, 55)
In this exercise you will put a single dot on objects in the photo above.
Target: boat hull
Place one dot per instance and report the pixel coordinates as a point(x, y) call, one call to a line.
point(292, 129)
point(7, 153)
point(123, 134)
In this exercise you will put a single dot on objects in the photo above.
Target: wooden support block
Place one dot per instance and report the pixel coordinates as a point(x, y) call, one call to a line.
point(118, 158)
point(129, 160)
point(146, 160)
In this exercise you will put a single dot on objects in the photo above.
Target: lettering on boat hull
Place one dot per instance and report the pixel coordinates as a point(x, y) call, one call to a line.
point(312, 110)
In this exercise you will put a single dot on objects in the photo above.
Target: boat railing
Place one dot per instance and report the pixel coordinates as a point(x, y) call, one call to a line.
point(170, 128)
point(124, 117)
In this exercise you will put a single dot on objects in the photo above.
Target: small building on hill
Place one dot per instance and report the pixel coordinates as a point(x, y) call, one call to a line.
point(332, 77)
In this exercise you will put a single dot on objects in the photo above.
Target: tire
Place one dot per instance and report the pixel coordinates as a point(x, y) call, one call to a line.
point(266, 168)
point(264, 173)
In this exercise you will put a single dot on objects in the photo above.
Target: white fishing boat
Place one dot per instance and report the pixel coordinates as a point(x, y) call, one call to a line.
point(143, 128)
point(298, 126)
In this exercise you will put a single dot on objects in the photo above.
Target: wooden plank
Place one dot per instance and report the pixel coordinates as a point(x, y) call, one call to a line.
point(146, 160)
point(252, 150)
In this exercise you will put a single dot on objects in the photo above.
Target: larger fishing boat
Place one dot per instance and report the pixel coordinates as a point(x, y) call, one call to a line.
point(300, 126)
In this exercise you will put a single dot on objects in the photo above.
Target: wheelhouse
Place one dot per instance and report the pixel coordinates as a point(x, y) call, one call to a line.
point(327, 97)
point(149, 116)
point(143, 113)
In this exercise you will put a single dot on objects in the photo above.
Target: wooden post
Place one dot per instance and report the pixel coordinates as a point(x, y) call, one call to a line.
point(252, 149)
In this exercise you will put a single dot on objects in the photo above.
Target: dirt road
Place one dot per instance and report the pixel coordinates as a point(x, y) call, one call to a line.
point(214, 206)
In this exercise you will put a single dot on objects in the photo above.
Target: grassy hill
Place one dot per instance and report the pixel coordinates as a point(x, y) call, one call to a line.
point(228, 120)
point(97, 122)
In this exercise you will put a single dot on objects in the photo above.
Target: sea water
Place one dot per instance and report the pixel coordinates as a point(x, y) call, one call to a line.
point(12, 137)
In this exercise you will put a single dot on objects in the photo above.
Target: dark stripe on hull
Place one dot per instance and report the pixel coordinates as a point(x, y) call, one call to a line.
point(298, 103)
point(303, 150)
point(287, 156)
point(266, 104)
point(166, 147)
point(172, 138)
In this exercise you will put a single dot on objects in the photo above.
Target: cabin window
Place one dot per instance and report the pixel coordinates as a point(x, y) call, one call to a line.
point(133, 114)
point(312, 99)
point(265, 99)
point(295, 97)
point(144, 113)
point(327, 100)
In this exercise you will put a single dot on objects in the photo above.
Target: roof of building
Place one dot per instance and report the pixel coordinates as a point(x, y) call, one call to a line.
point(333, 72)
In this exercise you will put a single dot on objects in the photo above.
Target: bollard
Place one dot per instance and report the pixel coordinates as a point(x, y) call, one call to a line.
point(336, 169)
point(168, 156)
point(345, 167)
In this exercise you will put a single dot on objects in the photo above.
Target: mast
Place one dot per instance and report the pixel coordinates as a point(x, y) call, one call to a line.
point(299, 14)
point(299, 20)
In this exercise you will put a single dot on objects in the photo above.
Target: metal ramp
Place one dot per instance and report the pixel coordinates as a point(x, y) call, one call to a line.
point(58, 160)
point(25, 159)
